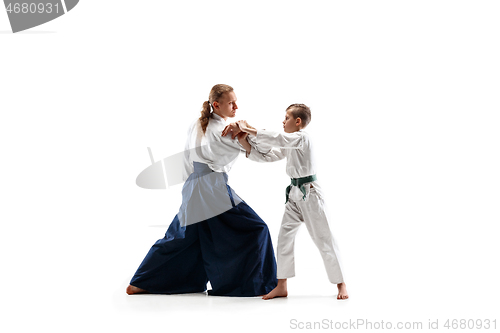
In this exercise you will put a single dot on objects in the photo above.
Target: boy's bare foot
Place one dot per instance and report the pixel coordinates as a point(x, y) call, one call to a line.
point(134, 290)
point(342, 291)
point(279, 291)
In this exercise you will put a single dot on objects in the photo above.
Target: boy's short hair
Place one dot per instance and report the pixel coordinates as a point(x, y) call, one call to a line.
point(301, 111)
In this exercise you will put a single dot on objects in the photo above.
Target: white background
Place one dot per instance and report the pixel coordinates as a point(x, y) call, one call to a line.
point(405, 103)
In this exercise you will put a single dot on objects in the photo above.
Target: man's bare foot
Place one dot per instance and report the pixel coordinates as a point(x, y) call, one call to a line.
point(279, 291)
point(276, 292)
point(342, 291)
point(134, 290)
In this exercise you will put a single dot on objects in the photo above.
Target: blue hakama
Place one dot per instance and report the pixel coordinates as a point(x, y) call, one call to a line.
point(232, 250)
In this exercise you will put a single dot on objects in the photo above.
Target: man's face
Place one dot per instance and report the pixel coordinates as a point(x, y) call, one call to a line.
point(290, 123)
point(226, 106)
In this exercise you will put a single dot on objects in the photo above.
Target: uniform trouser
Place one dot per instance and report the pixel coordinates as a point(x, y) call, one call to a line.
point(311, 212)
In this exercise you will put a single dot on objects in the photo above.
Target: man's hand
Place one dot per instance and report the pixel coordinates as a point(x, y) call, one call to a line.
point(242, 136)
point(231, 128)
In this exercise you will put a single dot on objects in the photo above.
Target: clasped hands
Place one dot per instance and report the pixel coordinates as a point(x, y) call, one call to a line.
point(238, 129)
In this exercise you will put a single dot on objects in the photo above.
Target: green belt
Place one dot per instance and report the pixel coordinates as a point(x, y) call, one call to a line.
point(300, 183)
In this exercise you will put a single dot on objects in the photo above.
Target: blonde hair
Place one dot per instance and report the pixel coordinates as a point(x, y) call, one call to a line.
point(301, 111)
point(215, 94)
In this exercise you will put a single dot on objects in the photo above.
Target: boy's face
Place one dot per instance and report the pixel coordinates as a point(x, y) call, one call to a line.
point(291, 124)
point(226, 106)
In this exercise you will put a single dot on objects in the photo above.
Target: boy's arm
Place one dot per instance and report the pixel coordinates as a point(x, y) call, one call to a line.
point(257, 154)
point(272, 155)
point(245, 127)
point(273, 139)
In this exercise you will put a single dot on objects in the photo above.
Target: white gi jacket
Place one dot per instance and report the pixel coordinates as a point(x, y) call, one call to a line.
point(217, 151)
point(205, 194)
point(297, 149)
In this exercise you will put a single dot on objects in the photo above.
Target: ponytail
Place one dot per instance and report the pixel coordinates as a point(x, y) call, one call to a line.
point(205, 116)
point(215, 95)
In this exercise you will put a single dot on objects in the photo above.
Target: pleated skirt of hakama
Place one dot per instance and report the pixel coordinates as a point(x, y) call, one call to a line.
point(233, 250)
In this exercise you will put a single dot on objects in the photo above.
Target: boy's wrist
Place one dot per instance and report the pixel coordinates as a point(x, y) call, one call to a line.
point(251, 131)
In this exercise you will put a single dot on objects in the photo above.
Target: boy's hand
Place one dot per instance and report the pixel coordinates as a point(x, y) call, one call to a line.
point(245, 127)
point(233, 128)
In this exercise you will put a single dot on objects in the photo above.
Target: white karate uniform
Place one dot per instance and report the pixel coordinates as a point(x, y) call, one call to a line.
point(205, 194)
point(297, 149)
point(211, 148)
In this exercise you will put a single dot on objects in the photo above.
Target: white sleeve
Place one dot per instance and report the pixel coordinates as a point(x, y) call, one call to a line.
point(261, 154)
point(279, 140)
point(272, 155)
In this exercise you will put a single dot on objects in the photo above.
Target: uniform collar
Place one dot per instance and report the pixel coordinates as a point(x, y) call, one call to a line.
point(217, 117)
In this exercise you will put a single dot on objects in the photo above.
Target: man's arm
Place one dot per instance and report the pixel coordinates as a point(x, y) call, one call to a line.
point(232, 128)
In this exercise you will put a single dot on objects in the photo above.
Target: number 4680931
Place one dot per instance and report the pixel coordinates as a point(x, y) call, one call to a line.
point(32, 8)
